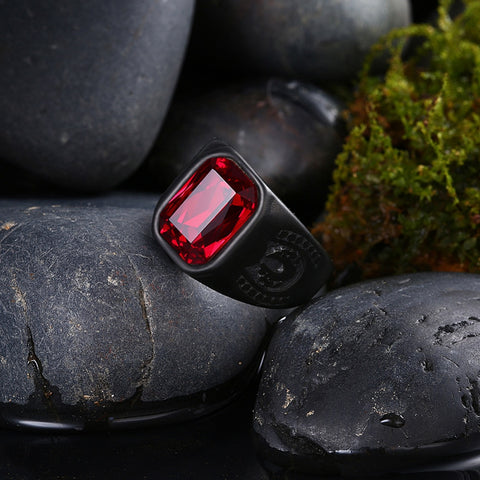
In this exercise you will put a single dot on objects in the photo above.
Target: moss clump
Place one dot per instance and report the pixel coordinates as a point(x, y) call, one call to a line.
point(406, 190)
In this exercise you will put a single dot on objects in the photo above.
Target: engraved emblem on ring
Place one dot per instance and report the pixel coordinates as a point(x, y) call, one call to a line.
point(278, 270)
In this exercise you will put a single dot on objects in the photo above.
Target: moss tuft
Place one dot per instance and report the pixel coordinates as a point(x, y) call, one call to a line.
point(406, 190)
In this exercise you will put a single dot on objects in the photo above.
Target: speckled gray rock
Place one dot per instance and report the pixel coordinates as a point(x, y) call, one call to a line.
point(99, 328)
point(315, 40)
point(85, 84)
point(379, 376)
point(290, 132)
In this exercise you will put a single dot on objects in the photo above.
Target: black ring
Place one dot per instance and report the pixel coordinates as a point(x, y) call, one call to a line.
point(271, 260)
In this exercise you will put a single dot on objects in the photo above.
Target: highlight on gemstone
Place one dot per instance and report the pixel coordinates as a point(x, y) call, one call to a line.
point(208, 210)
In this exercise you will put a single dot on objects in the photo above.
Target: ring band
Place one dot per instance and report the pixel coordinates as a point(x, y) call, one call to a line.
point(222, 225)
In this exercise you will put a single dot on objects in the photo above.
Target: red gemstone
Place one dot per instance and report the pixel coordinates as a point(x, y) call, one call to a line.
point(208, 210)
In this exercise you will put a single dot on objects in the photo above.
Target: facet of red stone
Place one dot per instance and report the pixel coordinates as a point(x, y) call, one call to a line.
point(208, 210)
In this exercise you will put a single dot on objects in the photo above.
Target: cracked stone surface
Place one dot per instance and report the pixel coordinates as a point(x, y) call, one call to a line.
point(375, 376)
point(85, 86)
point(97, 323)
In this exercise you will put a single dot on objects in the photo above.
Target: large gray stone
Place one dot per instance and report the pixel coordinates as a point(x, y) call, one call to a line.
point(379, 376)
point(99, 328)
point(315, 39)
point(85, 84)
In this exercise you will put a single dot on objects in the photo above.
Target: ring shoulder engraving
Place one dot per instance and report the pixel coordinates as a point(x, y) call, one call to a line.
point(281, 267)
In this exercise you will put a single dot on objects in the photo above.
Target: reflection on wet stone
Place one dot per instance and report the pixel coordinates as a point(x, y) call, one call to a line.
point(392, 420)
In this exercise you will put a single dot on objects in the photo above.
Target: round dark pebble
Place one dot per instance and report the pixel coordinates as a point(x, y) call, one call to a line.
point(376, 377)
point(290, 132)
point(100, 329)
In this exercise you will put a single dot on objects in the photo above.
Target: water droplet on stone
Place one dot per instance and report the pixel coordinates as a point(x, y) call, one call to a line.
point(392, 420)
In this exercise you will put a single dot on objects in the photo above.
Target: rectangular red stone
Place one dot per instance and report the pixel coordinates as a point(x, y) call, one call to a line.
point(202, 205)
point(208, 210)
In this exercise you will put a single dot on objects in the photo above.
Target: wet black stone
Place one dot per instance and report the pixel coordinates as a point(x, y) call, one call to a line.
point(319, 40)
point(379, 376)
point(100, 329)
point(85, 85)
point(289, 132)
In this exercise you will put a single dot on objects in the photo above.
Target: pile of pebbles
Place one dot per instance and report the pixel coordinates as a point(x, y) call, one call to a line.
point(112, 356)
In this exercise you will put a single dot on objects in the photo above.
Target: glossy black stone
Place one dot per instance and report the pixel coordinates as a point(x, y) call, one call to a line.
point(317, 40)
point(100, 330)
point(399, 352)
point(289, 132)
point(85, 85)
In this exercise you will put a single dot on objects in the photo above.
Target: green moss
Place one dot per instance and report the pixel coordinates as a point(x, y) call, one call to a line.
point(406, 191)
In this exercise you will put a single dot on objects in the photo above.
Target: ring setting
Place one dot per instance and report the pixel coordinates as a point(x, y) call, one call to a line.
point(222, 225)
